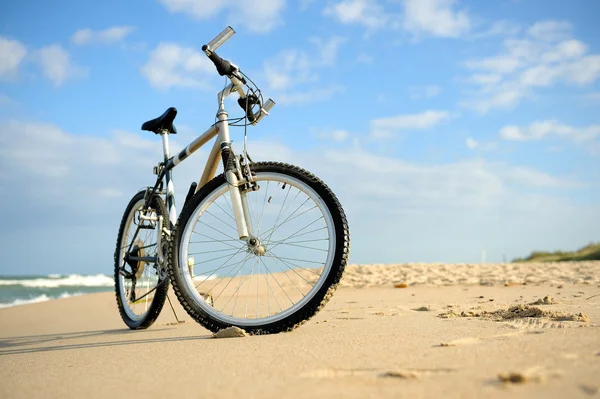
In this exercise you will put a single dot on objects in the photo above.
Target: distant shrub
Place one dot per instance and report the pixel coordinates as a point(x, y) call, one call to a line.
point(589, 252)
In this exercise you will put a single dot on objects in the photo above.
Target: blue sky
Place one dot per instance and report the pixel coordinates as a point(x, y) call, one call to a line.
point(445, 127)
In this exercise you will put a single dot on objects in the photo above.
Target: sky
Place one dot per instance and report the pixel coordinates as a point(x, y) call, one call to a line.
point(451, 131)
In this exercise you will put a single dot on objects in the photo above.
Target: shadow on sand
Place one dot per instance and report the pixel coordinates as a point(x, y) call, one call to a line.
point(58, 342)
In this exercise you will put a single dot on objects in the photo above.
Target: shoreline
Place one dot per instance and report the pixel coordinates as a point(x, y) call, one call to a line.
point(359, 276)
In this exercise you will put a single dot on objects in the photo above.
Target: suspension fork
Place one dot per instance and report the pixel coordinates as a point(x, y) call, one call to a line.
point(239, 199)
point(233, 176)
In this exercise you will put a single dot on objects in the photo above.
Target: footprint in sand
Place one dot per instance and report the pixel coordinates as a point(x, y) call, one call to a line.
point(401, 374)
point(525, 316)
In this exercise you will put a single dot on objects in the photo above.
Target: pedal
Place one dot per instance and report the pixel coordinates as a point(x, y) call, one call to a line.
point(191, 192)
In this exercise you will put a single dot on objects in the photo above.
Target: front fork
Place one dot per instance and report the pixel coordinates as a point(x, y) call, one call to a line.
point(237, 182)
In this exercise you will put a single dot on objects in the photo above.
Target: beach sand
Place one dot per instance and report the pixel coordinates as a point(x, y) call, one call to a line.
point(447, 330)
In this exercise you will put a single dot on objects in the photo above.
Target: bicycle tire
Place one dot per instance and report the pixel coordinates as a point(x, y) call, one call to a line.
point(198, 310)
point(147, 318)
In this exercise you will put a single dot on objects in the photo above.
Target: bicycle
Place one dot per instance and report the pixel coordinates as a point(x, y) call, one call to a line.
point(261, 246)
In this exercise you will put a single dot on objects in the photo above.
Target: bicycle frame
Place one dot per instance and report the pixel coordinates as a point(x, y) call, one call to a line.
point(233, 175)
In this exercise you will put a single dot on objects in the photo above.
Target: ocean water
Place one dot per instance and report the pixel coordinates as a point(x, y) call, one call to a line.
point(20, 290)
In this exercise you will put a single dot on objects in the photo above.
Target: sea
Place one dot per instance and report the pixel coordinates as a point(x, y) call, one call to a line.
point(21, 290)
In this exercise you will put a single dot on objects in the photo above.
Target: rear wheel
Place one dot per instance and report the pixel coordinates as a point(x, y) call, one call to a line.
point(140, 286)
point(278, 278)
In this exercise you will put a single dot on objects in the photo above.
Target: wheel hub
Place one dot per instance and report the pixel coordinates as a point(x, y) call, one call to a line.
point(256, 247)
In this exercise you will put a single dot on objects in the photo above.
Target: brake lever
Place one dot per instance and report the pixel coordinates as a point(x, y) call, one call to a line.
point(236, 73)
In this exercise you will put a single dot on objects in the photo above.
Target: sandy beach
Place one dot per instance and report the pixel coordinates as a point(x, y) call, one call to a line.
point(411, 330)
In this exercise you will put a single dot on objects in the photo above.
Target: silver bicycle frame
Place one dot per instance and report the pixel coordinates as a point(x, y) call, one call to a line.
point(233, 177)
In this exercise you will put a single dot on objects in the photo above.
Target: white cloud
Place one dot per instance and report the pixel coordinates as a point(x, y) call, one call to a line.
point(337, 135)
point(292, 67)
point(106, 36)
point(550, 30)
point(259, 15)
point(499, 28)
point(435, 18)
point(594, 96)
point(419, 17)
point(292, 73)
point(472, 144)
point(170, 65)
point(386, 127)
point(534, 178)
point(304, 97)
point(288, 69)
point(362, 12)
point(505, 79)
point(542, 129)
point(12, 53)
point(328, 49)
point(56, 64)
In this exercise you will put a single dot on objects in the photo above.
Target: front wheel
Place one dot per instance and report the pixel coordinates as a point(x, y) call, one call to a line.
point(285, 271)
point(141, 283)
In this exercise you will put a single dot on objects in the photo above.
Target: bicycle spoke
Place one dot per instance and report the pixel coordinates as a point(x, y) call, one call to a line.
point(264, 204)
point(287, 219)
point(299, 260)
point(294, 235)
point(224, 211)
point(248, 293)
point(219, 219)
point(219, 268)
point(277, 281)
point(218, 231)
point(302, 246)
point(281, 208)
point(288, 276)
point(236, 291)
point(209, 252)
point(285, 263)
point(215, 240)
point(212, 271)
point(230, 280)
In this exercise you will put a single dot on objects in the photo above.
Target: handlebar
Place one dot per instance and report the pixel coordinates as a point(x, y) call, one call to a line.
point(226, 68)
point(221, 38)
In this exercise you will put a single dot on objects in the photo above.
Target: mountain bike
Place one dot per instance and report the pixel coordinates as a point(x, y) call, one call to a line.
point(261, 246)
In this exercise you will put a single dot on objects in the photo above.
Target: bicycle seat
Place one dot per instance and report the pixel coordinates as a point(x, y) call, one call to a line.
point(165, 121)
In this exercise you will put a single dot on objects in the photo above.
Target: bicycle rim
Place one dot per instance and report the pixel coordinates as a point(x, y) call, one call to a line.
point(238, 284)
point(146, 275)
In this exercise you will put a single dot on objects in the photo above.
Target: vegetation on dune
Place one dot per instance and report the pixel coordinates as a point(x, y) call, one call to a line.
point(589, 252)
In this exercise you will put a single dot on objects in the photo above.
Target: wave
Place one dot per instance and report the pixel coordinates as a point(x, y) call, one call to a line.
point(54, 281)
point(39, 298)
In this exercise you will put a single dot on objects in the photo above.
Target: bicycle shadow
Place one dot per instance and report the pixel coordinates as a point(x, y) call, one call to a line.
point(21, 345)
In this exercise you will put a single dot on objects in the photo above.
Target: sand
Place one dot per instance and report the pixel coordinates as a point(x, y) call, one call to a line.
point(453, 331)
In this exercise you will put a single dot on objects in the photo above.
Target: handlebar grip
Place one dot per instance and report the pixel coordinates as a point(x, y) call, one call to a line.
point(223, 66)
point(220, 38)
point(268, 105)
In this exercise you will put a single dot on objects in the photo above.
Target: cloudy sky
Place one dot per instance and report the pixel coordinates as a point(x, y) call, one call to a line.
point(445, 127)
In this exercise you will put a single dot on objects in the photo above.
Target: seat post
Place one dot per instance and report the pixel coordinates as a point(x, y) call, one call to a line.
point(164, 134)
